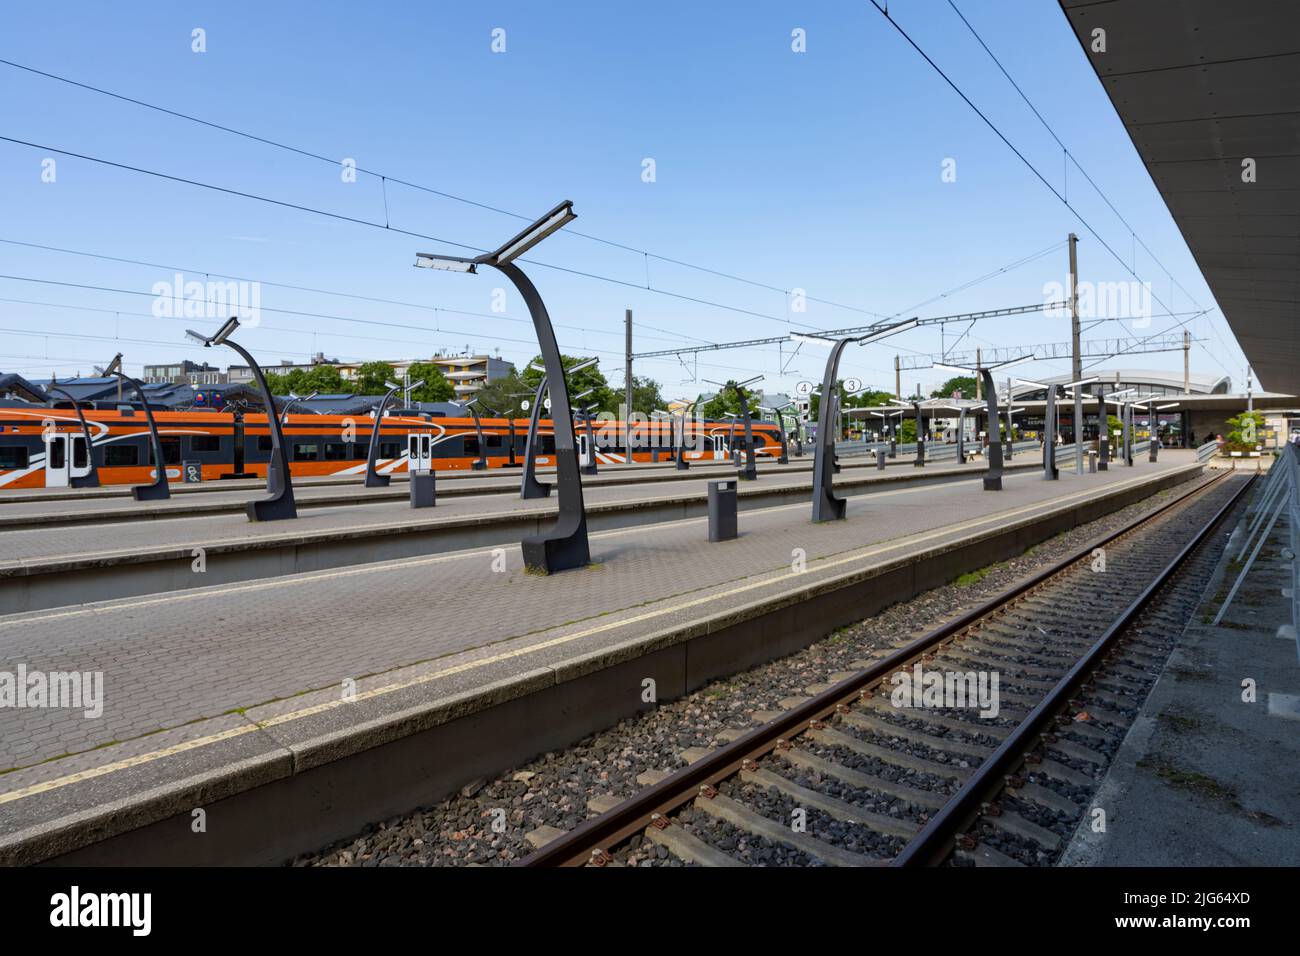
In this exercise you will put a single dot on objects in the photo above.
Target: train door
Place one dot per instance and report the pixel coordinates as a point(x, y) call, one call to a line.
point(584, 452)
point(79, 457)
point(57, 461)
point(721, 447)
point(419, 451)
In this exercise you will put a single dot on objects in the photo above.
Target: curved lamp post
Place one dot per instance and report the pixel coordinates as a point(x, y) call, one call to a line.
point(157, 489)
point(750, 470)
point(993, 474)
point(510, 424)
point(585, 411)
point(784, 458)
point(279, 502)
point(373, 478)
point(565, 545)
point(480, 463)
point(826, 505)
point(529, 486)
point(920, 437)
point(1050, 471)
point(293, 400)
point(680, 453)
point(91, 478)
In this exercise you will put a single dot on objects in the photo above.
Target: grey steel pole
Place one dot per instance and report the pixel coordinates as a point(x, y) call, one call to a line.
point(826, 506)
point(1076, 357)
point(993, 476)
point(91, 479)
point(961, 436)
point(627, 386)
point(529, 486)
point(373, 478)
point(590, 467)
point(920, 438)
point(750, 471)
point(565, 545)
point(1103, 431)
point(1050, 472)
point(480, 464)
point(279, 502)
point(158, 489)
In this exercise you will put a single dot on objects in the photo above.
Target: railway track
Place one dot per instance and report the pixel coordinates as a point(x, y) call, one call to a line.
point(1052, 670)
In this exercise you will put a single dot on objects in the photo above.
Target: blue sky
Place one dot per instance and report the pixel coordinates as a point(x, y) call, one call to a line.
point(818, 170)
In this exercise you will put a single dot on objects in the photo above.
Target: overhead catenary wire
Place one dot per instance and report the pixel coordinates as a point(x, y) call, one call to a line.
point(1072, 158)
point(1010, 145)
point(386, 178)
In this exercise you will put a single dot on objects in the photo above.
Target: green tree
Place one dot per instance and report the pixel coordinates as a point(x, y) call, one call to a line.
point(1245, 432)
point(646, 397)
point(504, 395)
point(325, 379)
point(960, 383)
point(290, 381)
point(371, 378)
point(727, 401)
point(436, 388)
point(602, 397)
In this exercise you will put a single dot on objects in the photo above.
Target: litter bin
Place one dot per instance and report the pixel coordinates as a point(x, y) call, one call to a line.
point(423, 489)
point(722, 510)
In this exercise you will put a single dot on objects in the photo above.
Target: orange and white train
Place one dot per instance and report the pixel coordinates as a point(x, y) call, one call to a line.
point(44, 447)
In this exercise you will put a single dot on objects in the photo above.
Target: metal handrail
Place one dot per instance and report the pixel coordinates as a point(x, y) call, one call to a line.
point(1207, 451)
point(1279, 496)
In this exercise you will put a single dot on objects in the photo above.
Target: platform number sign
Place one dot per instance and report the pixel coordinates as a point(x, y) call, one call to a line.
point(525, 405)
point(853, 385)
point(803, 388)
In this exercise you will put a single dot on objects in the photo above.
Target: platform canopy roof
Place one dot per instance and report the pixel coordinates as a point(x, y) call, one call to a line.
point(1201, 86)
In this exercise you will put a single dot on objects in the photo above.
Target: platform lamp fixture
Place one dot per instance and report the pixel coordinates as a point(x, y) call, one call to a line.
point(157, 489)
point(278, 503)
point(890, 430)
point(1153, 426)
point(510, 425)
point(1050, 471)
point(590, 468)
point(750, 470)
point(1070, 388)
point(373, 478)
point(827, 506)
point(993, 474)
point(294, 400)
point(91, 478)
point(565, 545)
point(479, 463)
point(777, 416)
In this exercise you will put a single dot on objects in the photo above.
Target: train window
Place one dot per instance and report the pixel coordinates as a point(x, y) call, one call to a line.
point(390, 449)
point(116, 456)
point(205, 443)
point(58, 455)
point(263, 442)
point(336, 451)
point(471, 446)
point(12, 456)
point(171, 451)
point(79, 452)
point(494, 441)
point(548, 444)
point(303, 451)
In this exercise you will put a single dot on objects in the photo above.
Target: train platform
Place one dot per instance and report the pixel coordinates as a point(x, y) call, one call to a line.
point(25, 508)
point(290, 709)
point(1218, 739)
point(52, 565)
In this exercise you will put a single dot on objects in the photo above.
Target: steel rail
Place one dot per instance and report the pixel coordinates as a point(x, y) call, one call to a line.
point(588, 842)
point(935, 842)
